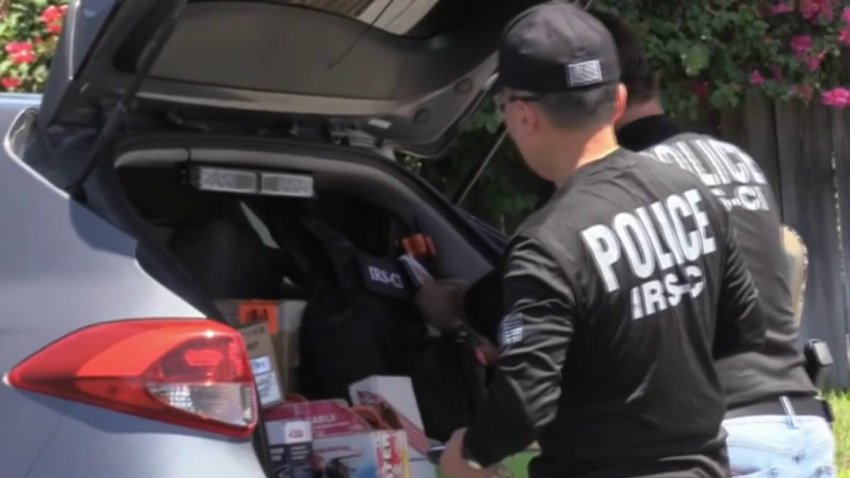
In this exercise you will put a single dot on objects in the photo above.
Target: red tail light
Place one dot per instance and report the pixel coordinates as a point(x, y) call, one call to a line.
point(193, 373)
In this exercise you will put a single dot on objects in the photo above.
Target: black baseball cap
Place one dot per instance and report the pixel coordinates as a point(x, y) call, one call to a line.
point(556, 47)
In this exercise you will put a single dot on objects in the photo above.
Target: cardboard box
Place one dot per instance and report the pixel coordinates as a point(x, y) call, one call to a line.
point(396, 393)
point(283, 319)
point(344, 444)
point(244, 312)
point(263, 364)
point(290, 313)
point(375, 454)
point(328, 417)
point(291, 448)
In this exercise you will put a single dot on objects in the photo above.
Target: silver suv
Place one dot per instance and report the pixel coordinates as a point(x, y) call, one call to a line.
point(166, 127)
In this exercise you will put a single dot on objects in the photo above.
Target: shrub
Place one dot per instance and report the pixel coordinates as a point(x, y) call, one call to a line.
point(29, 30)
point(709, 53)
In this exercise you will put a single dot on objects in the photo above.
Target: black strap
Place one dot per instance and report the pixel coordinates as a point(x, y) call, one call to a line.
point(800, 406)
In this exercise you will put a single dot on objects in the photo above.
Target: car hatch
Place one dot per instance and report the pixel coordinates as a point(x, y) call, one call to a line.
point(397, 73)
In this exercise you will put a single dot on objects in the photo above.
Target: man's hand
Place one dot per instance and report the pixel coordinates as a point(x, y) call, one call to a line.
point(452, 463)
point(441, 302)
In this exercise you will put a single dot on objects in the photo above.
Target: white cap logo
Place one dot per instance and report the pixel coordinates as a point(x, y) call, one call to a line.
point(584, 73)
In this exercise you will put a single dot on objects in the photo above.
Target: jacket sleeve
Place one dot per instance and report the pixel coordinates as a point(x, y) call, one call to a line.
point(481, 308)
point(740, 321)
point(534, 337)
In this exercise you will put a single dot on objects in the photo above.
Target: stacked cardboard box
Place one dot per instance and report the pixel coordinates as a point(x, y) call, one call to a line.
point(344, 444)
point(263, 363)
point(291, 449)
point(340, 442)
point(396, 394)
point(282, 320)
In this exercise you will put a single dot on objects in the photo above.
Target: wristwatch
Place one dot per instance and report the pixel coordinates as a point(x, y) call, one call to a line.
point(467, 457)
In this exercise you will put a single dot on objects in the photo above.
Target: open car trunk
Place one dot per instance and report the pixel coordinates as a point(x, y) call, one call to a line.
point(251, 247)
point(215, 130)
point(380, 74)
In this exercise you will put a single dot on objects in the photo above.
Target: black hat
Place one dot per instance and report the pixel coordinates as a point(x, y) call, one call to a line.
point(557, 47)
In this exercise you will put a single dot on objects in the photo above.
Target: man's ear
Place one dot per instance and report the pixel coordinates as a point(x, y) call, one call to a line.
point(529, 117)
point(620, 102)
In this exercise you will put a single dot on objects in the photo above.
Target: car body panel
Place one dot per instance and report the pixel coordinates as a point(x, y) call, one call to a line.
point(277, 62)
point(63, 268)
point(91, 442)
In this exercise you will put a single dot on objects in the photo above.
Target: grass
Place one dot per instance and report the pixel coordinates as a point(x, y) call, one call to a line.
point(841, 409)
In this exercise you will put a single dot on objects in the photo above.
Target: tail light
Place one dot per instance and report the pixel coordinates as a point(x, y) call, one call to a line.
point(193, 373)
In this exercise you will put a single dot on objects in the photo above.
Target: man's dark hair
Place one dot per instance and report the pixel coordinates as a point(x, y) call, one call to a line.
point(580, 109)
point(635, 72)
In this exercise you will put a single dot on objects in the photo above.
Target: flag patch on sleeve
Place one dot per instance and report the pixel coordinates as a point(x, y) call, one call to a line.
point(510, 330)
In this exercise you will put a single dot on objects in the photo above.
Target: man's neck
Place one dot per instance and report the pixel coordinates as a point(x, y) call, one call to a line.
point(638, 111)
point(586, 149)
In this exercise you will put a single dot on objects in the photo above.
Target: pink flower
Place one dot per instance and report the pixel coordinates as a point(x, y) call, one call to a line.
point(780, 8)
point(21, 53)
point(54, 28)
point(756, 78)
point(836, 97)
point(803, 91)
point(51, 14)
point(827, 12)
point(10, 83)
point(800, 45)
point(845, 15)
point(813, 62)
point(844, 36)
point(824, 9)
point(52, 17)
point(808, 9)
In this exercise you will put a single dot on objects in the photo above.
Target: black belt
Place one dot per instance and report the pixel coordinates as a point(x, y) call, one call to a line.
point(786, 406)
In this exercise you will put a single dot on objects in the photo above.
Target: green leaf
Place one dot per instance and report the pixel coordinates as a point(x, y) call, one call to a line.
point(719, 22)
point(695, 59)
point(492, 123)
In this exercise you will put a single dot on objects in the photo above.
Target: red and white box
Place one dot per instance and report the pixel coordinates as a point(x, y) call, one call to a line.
point(328, 417)
point(396, 393)
point(291, 448)
point(375, 454)
point(343, 443)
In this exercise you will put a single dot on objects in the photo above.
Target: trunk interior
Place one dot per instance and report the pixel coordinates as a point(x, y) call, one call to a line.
point(243, 247)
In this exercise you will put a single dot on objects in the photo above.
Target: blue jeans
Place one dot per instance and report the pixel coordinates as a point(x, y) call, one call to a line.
point(779, 446)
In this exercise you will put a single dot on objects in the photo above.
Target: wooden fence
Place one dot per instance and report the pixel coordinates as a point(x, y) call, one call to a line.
point(805, 153)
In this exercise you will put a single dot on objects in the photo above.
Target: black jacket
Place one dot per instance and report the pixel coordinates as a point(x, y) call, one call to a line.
point(618, 295)
point(738, 181)
point(776, 369)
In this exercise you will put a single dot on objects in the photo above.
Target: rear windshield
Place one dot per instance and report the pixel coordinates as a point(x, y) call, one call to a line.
point(416, 18)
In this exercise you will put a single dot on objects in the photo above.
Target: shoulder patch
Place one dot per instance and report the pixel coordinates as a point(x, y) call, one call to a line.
point(511, 330)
